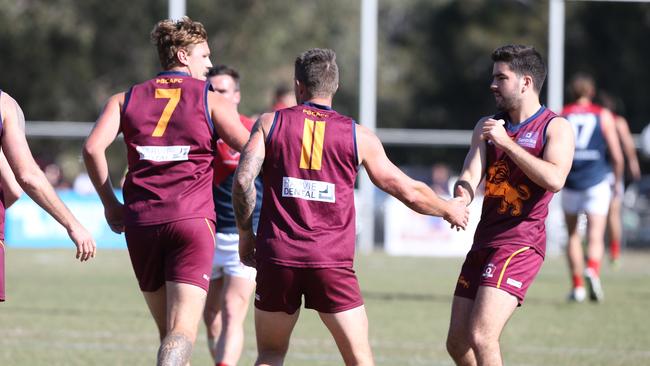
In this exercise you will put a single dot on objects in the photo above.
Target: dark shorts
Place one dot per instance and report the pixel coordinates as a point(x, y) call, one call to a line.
point(2, 271)
point(511, 268)
point(179, 251)
point(326, 290)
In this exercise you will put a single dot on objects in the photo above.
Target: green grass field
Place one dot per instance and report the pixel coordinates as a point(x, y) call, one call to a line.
point(60, 312)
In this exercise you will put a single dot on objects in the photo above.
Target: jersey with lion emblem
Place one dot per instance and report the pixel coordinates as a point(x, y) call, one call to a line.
point(515, 207)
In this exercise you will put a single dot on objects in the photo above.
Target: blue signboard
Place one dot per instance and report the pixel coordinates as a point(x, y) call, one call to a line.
point(28, 225)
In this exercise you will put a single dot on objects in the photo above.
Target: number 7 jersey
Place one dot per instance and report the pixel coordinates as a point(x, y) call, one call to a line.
point(308, 217)
point(590, 165)
point(170, 143)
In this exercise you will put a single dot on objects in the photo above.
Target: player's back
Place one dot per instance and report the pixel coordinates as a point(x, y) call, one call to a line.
point(590, 165)
point(170, 145)
point(308, 215)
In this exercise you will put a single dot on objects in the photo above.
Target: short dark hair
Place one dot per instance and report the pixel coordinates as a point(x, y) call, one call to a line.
point(582, 85)
point(317, 70)
point(224, 70)
point(523, 60)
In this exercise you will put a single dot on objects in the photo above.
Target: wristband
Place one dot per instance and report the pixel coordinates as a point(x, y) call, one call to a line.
point(468, 187)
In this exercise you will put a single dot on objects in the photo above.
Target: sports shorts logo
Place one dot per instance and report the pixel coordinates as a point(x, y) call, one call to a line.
point(514, 283)
point(489, 270)
point(311, 190)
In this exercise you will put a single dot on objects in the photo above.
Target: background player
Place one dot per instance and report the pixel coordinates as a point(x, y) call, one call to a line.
point(168, 212)
point(232, 282)
point(588, 186)
point(614, 219)
point(305, 243)
point(524, 152)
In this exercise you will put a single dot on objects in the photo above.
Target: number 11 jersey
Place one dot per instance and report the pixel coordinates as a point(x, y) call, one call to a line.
point(308, 217)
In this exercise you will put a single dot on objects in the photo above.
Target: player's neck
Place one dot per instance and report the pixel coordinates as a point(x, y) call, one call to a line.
point(583, 101)
point(181, 69)
point(320, 101)
point(525, 111)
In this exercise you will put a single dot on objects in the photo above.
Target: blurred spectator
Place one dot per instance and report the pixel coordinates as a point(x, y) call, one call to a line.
point(440, 179)
point(83, 185)
point(284, 97)
point(55, 177)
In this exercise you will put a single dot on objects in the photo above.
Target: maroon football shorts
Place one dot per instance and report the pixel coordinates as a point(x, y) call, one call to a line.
point(511, 268)
point(326, 290)
point(179, 251)
point(2, 271)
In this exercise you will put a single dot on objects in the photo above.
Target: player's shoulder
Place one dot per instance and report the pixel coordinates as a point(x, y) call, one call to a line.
point(6, 100)
point(265, 120)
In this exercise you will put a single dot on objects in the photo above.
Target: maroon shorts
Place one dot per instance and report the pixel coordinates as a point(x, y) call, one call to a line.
point(179, 251)
point(326, 290)
point(511, 268)
point(2, 271)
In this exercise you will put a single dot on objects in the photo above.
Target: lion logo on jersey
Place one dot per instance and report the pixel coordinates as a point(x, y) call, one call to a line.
point(497, 186)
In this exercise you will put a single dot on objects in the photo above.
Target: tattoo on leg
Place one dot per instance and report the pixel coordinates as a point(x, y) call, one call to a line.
point(175, 350)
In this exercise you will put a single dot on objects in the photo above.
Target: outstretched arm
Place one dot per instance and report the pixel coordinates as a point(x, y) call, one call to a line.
point(473, 167)
point(414, 194)
point(613, 148)
point(244, 193)
point(33, 181)
point(94, 154)
point(226, 121)
point(551, 170)
point(629, 149)
point(10, 188)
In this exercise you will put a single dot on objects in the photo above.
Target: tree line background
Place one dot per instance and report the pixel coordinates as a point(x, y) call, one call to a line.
point(61, 59)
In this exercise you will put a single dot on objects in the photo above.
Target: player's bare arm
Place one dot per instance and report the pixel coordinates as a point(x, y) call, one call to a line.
point(473, 166)
point(33, 181)
point(551, 171)
point(613, 146)
point(414, 194)
point(226, 121)
point(244, 193)
point(629, 148)
point(94, 153)
point(10, 188)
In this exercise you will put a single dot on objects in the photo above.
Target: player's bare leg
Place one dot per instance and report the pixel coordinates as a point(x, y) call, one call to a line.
point(350, 331)
point(575, 256)
point(596, 248)
point(273, 330)
point(615, 228)
point(458, 337)
point(157, 303)
point(492, 309)
point(237, 292)
point(212, 314)
point(185, 306)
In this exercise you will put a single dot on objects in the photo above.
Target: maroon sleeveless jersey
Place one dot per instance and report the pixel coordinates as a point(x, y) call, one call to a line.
point(170, 143)
point(514, 207)
point(308, 217)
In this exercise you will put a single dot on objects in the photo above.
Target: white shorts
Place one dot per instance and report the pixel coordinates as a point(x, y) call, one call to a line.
point(593, 200)
point(226, 259)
